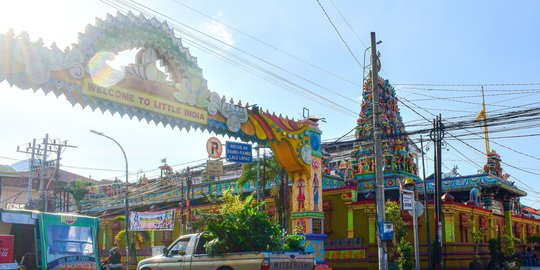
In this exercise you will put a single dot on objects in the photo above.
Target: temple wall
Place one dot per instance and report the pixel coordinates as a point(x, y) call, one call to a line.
point(359, 251)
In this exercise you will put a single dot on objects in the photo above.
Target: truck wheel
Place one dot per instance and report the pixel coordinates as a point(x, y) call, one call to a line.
point(224, 268)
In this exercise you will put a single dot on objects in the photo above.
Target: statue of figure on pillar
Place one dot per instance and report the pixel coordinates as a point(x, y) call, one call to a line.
point(300, 198)
point(315, 192)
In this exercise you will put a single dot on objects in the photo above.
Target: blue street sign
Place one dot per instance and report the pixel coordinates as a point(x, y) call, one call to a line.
point(386, 231)
point(238, 152)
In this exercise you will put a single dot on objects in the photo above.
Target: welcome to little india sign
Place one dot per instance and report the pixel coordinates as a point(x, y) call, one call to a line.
point(144, 101)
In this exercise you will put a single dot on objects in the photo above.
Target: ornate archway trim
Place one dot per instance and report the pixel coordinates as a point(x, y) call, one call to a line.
point(71, 72)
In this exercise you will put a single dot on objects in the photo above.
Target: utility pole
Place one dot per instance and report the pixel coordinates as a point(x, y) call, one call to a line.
point(36, 151)
point(182, 217)
point(42, 170)
point(437, 136)
point(258, 185)
point(56, 174)
point(379, 177)
point(188, 201)
point(30, 150)
point(426, 204)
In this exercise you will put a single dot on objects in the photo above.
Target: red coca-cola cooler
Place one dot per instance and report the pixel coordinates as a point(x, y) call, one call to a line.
point(6, 248)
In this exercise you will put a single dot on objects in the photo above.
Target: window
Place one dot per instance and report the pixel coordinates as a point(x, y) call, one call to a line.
point(203, 239)
point(179, 246)
point(64, 241)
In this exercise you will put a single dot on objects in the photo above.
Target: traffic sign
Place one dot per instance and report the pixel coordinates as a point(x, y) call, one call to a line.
point(418, 209)
point(214, 148)
point(238, 152)
point(214, 167)
point(407, 200)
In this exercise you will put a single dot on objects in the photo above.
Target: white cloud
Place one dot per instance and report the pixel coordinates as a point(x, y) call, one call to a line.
point(219, 31)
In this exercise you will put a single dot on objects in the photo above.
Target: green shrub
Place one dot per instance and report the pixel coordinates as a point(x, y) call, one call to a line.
point(240, 226)
point(294, 242)
point(405, 260)
point(533, 239)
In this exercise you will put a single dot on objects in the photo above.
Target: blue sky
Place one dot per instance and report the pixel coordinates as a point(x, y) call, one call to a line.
point(424, 42)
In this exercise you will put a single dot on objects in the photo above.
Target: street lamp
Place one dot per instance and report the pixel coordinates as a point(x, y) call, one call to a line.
point(364, 67)
point(126, 192)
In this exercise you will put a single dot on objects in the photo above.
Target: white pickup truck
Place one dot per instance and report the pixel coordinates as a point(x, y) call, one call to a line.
point(188, 253)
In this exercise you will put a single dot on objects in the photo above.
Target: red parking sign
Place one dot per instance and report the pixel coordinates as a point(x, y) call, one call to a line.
point(214, 148)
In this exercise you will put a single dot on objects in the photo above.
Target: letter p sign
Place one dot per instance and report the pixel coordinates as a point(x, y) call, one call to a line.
point(214, 148)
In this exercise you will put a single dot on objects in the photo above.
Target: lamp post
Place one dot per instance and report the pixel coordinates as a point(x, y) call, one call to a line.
point(364, 67)
point(126, 193)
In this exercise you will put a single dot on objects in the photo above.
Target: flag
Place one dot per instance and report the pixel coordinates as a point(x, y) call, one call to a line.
point(481, 115)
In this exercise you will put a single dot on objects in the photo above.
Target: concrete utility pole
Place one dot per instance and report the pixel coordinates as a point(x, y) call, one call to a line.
point(30, 170)
point(426, 204)
point(437, 136)
point(258, 185)
point(36, 151)
point(42, 170)
point(379, 177)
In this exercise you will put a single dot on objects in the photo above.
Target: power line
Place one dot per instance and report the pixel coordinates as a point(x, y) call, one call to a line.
point(269, 45)
point(332, 104)
point(477, 84)
point(348, 24)
point(472, 96)
point(470, 90)
point(339, 34)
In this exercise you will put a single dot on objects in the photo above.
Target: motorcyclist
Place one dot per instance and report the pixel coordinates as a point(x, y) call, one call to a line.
point(114, 261)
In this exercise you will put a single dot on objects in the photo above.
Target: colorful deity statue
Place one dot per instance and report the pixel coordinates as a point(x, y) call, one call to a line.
point(315, 191)
point(301, 197)
point(494, 164)
point(474, 196)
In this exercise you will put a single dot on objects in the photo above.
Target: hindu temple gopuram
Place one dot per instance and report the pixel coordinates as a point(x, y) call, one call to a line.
point(486, 204)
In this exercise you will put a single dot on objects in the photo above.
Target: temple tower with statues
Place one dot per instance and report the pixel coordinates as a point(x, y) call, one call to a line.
point(398, 157)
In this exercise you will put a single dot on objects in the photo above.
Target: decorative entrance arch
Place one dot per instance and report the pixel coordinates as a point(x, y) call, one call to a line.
point(179, 98)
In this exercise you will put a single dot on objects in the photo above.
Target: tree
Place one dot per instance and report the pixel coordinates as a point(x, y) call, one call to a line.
point(78, 189)
point(477, 236)
point(239, 226)
point(137, 238)
point(401, 252)
point(269, 169)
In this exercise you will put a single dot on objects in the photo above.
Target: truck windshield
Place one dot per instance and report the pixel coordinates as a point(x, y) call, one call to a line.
point(64, 241)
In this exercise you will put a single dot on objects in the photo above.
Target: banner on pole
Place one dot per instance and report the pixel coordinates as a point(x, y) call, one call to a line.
point(152, 221)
